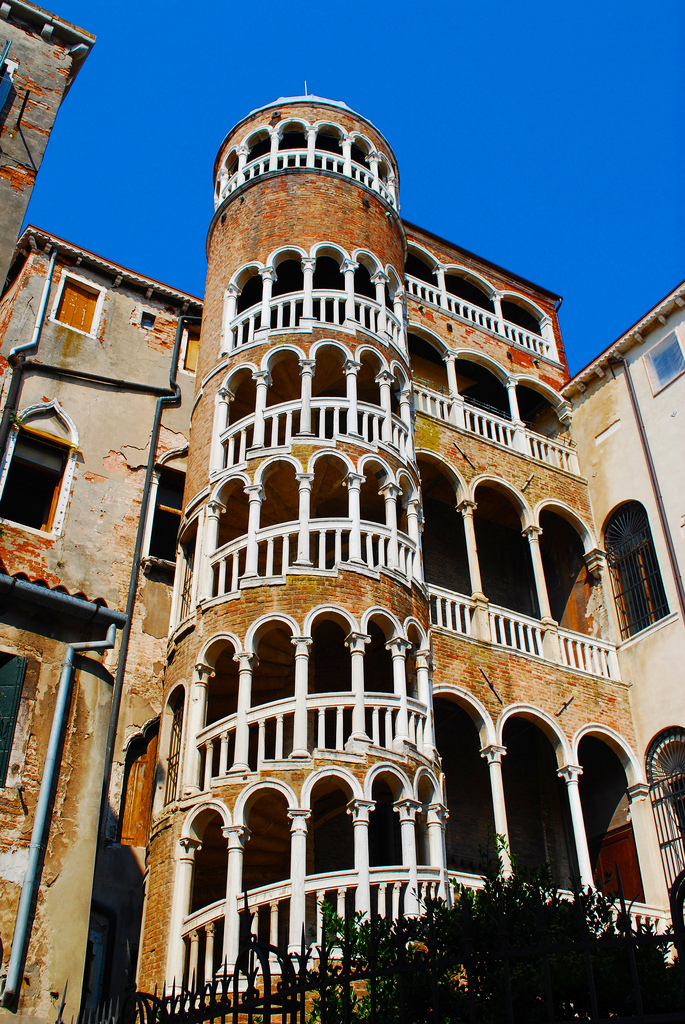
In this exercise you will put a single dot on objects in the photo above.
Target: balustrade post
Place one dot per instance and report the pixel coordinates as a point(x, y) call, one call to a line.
point(255, 496)
point(222, 406)
point(348, 268)
point(307, 367)
point(414, 531)
point(304, 481)
point(493, 755)
point(273, 150)
point(209, 951)
point(547, 332)
point(237, 836)
point(425, 696)
point(311, 146)
point(246, 663)
point(390, 493)
point(210, 544)
point(230, 304)
point(298, 873)
point(481, 620)
point(570, 773)
point(268, 276)
point(405, 416)
point(352, 368)
point(356, 642)
point(385, 380)
point(354, 482)
point(308, 265)
point(262, 381)
point(359, 811)
point(197, 713)
point(436, 822)
point(407, 810)
point(647, 845)
point(398, 648)
point(180, 908)
point(347, 154)
point(379, 281)
point(300, 738)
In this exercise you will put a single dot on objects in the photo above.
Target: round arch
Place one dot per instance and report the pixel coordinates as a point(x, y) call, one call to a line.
point(477, 712)
point(505, 488)
point(339, 774)
point(254, 790)
point(328, 610)
point(631, 764)
point(264, 622)
point(200, 814)
point(404, 785)
point(585, 531)
point(559, 741)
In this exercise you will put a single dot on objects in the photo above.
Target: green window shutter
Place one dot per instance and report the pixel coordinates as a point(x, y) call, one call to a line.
point(12, 671)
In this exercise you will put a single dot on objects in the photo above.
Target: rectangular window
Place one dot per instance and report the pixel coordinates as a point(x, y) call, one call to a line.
point(77, 306)
point(167, 514)
point(147, 320)
point(174, 751)
point(665, 362)
point(192, 346)
point(33, 482)
point(187, 586)
point(12, 672)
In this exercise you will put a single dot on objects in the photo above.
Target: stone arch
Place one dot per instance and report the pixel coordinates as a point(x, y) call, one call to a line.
point(329, 609)
point(285, 252)
point(403, 788)
point(196, 819)
point(558, 739)
point(213, 647)
point(477, 712)
point(584, 529)
point(628, 758)
point(261, 625)
point(253, 791)
point(510, 492)
point(429, 775)
point(338, 773)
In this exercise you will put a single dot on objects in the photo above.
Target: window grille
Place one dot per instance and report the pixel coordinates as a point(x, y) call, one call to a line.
point(666, 777)
point(187, 589)
point(635, 574)
point(174, 751)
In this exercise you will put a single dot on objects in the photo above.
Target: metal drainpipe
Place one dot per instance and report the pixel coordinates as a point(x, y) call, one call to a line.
point(41, 822)
point(654, 480)
point(135, 575)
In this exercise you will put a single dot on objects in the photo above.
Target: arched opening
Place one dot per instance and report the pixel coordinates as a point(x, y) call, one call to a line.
point(243, 387)
point(250, 292)
point(537, 412)
point(173, 730)
point(385, 843)
point(635, 574)
point(138, 788)
point(267, 856)
point(284, 371)
point(327, 140)
point(444, 540)
point(329, 496)
point(427, 796)
point(210, 869)
point(293, 137)
point(468, 291)
point(479, 387)
point(503, 553)
point(470, 828)
point(569, 584)
point(330, 662)
point(517, 314)
point(416, 266)
point(666, 777)
point(606, 812)
point(273, 675)
point(231, 163)
point(233, 522)
point(281, 495)
point(540, 830)
point(377, 663)
point(222, 691)
point(362, 282)
point(371, 501)
point(329, 376)
point(330, 840)
point(327, 274)
point(360, 153)
point(368, 390)
point(259, 145)
point(427, 365)
point(289, 278)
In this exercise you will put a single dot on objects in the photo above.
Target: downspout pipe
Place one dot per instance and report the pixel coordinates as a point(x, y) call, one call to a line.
point(42, 818)
point(654, 480)
point(171, 398)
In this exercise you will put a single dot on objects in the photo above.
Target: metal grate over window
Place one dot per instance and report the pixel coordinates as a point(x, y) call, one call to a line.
point(174, 751)
point(666, 777)
point(635, 574)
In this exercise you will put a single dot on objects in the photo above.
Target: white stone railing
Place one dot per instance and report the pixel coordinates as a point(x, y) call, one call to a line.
point(423, 292)
point(329, 543)
point(516, 631)
point(323, 160)
point(588, 654)
point(329, 717)
point(287, 313)
point(329, 420)
point(491, 427)
point(451, 611)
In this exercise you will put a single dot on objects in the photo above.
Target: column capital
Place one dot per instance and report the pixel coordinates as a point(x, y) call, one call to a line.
point(359, 811)
point(424, 658)
point(246, 660)
point(254, 492)
point(570, 773)
point(261, 377)
point(307, 366)
point(237, 836)
point(233, 289)
point(532, 533)
point(638, 791)
point(226, 395)
point(215, 507)
point(510, 382)
point(301, 645)
point(390, 491)
point(438, 813)
point(298, 816)
point(407, 808)
point(348, 264)
point(354, 481)
point(493, 753)
point(351, 366)
point(243, 149)
point(379, 277)
point(467, 507)
point(595, 561)
point(308, 262)
point(268, 274)
point(384, 377)
point(204, 671)
point(356, 642)
point(305, 480)
point(398, 646)
point(311, 129)
point(190, 847)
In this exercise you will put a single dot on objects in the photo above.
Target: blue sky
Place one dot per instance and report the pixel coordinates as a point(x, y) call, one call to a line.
point(546, 137)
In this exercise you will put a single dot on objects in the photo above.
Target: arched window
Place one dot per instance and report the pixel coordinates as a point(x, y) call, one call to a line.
point(666, 777)
point(174, 758)
point(635, 574)
point(139, 776)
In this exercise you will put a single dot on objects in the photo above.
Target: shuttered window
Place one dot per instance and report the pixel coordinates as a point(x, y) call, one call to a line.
point(77, 306)
point(192, 346)
point(12, 671)
point(141, 762)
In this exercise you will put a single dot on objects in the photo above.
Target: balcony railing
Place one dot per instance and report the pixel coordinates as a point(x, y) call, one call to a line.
point(329, 727)
point(473, 315)
point(456, 613)
point(492, 427)
point(323, 160)
point(329, 420)
point(328, 307)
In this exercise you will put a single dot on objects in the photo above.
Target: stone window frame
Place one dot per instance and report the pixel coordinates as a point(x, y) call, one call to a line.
point(90, 285)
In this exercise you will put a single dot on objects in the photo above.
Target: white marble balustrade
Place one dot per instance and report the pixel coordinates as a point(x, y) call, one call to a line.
point(519, 632)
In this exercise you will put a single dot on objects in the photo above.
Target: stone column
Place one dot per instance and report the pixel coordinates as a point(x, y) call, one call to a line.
point(356, 642)
point(407, 811)
point(570, 773)
point(311, 146)
point(436, 820)
point(497, 303)
point(211, 542)
point(197, 713)
point(457, 408)
point(385, 380)
point(390, 493)
point(423, 686)
point(242, 152)
point(246, 662)
point(237, 836)
point(307, 367)
point(180, 908)
point(379, 281)
point(405, 416)
point(354, 482)
point(300, 744)
point(550, 640)
point(516, 421)
point(414, 531)
point(440, 275)
point(359, 810)
point(222, 407)
point(298, 873)
point(347, 155)
point(352, 368)
point(304, 481)
point(268, 276)
point(255, 496)
point(273, 151)
point(647, 844)
point(398, 648)
point(348, 268)
point(308, 264)
point(481, 621)
point(262, 381)
point(230, 304)
point(493, 755)
point(373, 162)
